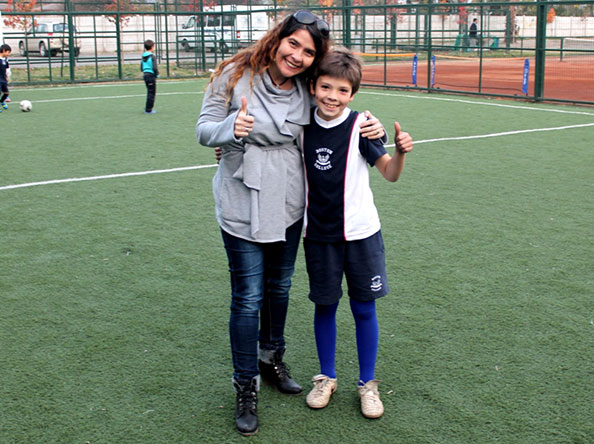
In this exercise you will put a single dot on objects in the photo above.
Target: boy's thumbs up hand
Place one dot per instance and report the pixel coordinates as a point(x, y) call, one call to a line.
point(402, 140)
point(244, 123)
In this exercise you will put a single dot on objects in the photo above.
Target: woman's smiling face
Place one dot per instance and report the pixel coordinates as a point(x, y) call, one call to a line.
point(295, 54)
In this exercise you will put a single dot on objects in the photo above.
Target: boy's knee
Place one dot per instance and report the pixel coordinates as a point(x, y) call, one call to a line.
point(363, 309)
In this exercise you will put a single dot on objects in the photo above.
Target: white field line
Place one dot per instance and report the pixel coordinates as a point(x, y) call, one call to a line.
point(198, 167)
point(107, 176)
point(377, 93)
point(472, 102)
point(97, 85)
point(114, 97)
point(506, 133)
point(418, 142)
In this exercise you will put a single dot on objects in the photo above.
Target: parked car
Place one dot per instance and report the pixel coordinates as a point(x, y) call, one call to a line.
point(48, 38)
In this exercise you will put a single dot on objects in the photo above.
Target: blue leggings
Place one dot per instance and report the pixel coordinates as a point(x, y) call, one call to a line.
point(367, 337)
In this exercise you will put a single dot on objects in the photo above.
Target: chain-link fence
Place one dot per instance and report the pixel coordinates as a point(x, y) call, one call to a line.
point(535, 50)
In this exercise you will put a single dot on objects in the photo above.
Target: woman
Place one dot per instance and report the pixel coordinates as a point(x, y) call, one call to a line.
point(255, 108)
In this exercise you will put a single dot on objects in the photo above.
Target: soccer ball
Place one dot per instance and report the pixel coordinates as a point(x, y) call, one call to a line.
point(25, 106)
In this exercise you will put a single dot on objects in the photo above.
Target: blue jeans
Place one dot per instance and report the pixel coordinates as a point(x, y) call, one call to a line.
point(260, 282)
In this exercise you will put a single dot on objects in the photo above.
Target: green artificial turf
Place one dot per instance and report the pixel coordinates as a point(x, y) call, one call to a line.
point(114, 292)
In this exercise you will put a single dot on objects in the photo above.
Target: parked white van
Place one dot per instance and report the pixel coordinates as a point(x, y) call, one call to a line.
point(224, 28)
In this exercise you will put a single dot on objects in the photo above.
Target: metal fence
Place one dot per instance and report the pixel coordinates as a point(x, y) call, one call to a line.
point(542, 51)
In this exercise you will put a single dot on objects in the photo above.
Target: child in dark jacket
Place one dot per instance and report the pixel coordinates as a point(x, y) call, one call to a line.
point(150, 71)
point(5, 51)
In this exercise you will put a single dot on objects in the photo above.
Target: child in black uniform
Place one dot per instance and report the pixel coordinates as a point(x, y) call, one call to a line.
point(341, 225)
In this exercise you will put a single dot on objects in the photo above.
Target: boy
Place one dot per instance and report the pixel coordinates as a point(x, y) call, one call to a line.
point(5, 51)
point(341, 226)
point(150, 71)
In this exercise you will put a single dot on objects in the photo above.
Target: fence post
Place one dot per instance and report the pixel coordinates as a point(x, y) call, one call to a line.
point(393, 39)
point(347, 24)
point(428, 45)
point(540, 53)
point(481, 39)
point(166, 39)
point(118, 41)
point(363, 29)
point(417, 28)
point(203, 48)
point(71, 41)
point(508, 27)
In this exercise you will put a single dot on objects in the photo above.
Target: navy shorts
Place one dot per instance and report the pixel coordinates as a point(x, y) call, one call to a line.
point(363, 262)
point(4, 87)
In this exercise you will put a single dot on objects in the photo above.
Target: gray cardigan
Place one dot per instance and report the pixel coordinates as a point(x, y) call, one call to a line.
point(259, 185)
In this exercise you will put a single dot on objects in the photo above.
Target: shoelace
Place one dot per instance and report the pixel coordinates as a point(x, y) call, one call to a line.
point(248, 400)
point(321, 385)
point(371, 394)
point(282, 370)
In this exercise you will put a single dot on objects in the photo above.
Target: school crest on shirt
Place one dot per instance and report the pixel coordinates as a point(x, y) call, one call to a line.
point(323, 159)
point(376, 283)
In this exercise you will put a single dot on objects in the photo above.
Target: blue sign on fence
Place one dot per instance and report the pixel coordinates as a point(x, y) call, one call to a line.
point(526, 76)
point(432, 71)
point(414, 71)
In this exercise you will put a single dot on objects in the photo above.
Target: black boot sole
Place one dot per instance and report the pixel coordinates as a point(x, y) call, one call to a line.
point(248, 433)
point(271, 383)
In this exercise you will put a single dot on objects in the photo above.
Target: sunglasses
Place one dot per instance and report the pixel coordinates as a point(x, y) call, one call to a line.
point(307, 18)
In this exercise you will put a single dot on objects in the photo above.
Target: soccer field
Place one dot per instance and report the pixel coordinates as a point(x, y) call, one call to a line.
point(114, 289)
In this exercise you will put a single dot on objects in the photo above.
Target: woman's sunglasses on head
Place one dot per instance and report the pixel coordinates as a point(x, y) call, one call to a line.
point(308, 18)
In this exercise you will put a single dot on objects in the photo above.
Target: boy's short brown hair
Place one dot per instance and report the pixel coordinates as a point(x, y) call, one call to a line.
point(341, 63)
point(148, 44)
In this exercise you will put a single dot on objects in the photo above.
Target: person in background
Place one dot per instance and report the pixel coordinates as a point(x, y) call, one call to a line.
point(255, 108)
point(473, 33)
point(150, 72)
point(5, 51)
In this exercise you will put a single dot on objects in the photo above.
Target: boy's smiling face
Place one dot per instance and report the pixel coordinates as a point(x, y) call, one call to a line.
point(332, 96)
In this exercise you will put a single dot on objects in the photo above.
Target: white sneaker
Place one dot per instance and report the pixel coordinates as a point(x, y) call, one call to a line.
point(371, 404)
point(319, 397)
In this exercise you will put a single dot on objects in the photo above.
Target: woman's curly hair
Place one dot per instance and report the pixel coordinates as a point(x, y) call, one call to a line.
point(259, 56)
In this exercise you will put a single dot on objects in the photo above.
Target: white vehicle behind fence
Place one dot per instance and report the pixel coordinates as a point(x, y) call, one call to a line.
point(47, 38)
point(224, 29)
